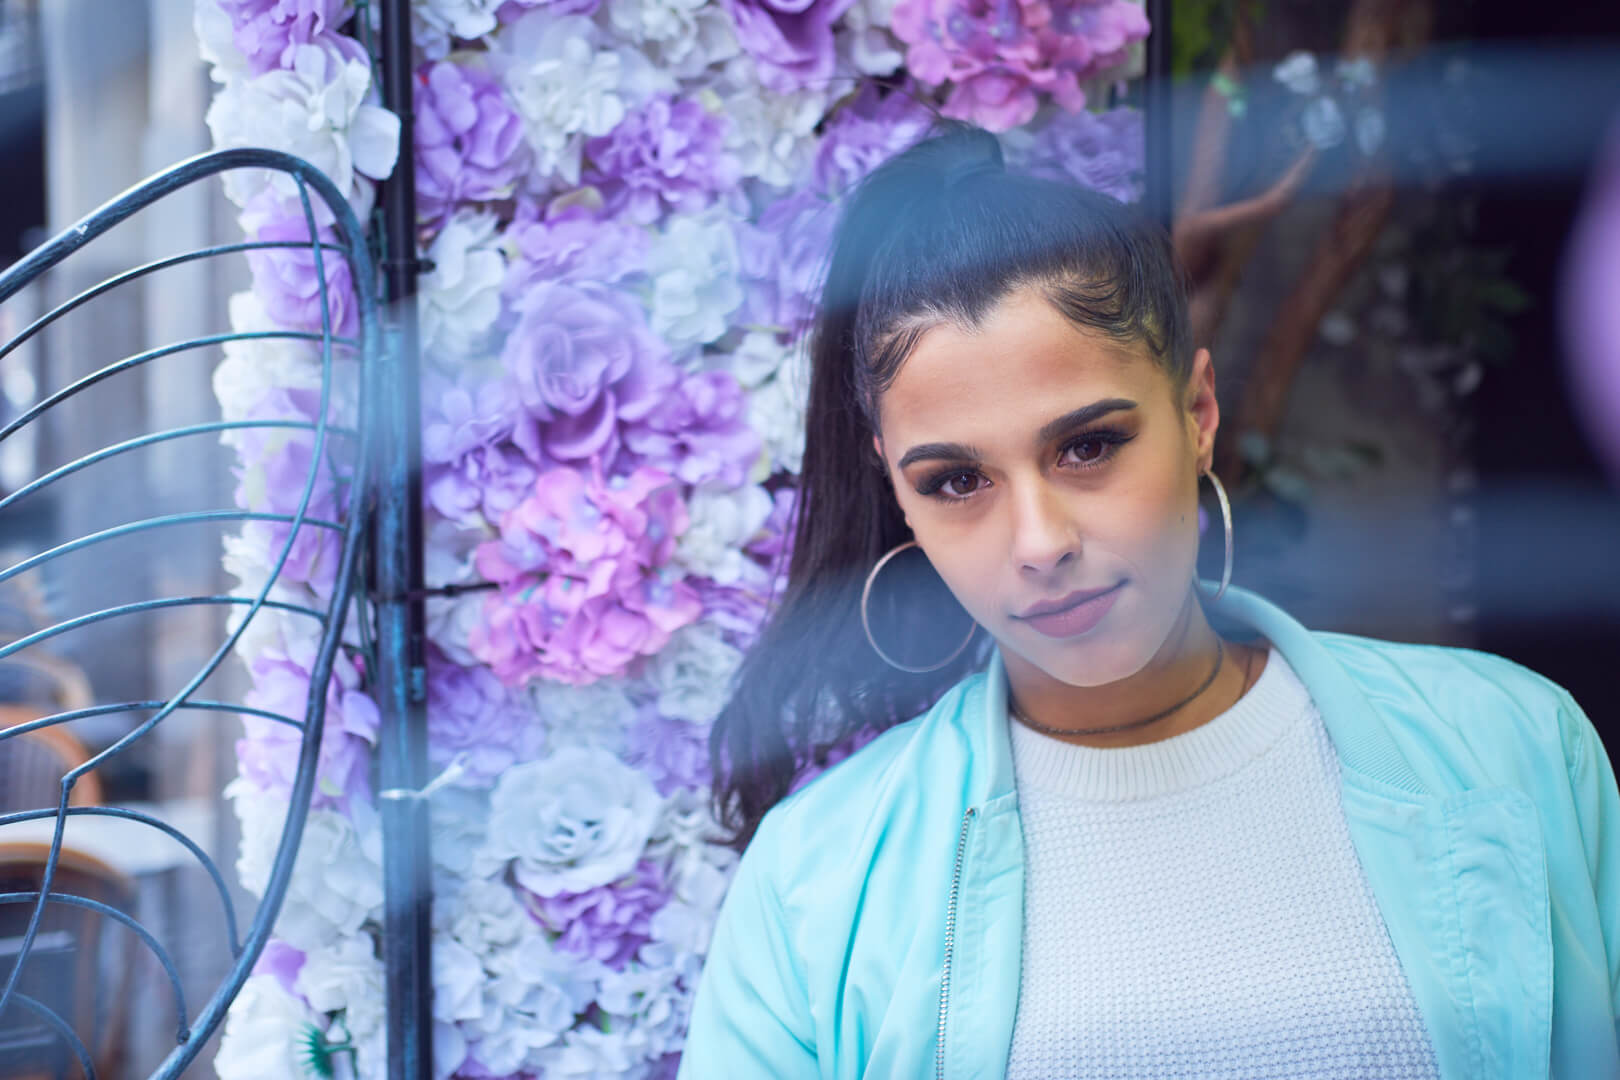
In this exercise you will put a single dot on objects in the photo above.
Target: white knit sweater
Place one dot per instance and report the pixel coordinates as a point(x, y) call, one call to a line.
point(1194, 908)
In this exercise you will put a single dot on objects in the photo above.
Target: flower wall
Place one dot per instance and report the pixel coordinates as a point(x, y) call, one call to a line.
point(627, 206)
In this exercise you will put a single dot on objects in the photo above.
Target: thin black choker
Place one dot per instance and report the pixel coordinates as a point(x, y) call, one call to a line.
point(1220, 655)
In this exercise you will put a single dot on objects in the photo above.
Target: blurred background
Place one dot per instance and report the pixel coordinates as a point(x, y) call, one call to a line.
point(1414, 422)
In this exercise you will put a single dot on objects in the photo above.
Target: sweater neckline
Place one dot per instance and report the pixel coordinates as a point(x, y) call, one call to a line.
point(1215, 749)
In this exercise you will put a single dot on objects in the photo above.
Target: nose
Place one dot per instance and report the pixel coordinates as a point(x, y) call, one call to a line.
point(1044, 534)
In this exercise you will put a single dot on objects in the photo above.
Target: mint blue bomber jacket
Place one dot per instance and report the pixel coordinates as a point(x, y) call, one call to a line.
point(873, 928)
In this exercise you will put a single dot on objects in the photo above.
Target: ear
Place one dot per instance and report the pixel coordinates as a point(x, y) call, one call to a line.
point(1203, 411)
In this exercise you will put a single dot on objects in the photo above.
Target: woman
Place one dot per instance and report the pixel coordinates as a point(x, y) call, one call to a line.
point(1120, 823)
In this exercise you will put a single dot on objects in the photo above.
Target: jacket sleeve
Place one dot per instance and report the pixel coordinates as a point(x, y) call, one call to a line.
point(751, 1015)
point(1597, 805)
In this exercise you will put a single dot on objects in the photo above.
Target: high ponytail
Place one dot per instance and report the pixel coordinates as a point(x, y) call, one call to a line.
point(939, 232)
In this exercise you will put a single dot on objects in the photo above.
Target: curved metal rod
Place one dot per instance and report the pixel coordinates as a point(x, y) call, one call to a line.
point(128, 920)
point(190, 845)
point(163, 436)
point(130, 202)
point(132, 706)
point(141, 271)
point(140, 606)
point(62, 1028)
point(33, 411)
point(163, 522)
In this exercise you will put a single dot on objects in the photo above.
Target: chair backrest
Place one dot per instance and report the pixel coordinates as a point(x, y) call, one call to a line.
point(33, 764)
point(68, 951)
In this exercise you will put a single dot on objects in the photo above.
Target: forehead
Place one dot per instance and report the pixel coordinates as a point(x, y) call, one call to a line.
point(1025, 364)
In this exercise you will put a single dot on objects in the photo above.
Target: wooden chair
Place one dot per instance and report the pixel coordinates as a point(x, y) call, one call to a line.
point(32, 764)
point(65, 968)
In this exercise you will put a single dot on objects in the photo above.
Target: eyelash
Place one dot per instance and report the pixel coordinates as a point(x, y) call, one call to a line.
point(1111, 439)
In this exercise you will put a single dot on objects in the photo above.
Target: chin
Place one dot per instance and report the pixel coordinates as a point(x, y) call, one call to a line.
point(1090, 661)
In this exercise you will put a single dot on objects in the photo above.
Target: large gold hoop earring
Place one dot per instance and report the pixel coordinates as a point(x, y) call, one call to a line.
point(866, 621)
point(1226, 527)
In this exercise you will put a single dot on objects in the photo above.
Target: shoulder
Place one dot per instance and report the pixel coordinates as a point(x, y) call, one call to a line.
point(886, 781)
point(1496, 707)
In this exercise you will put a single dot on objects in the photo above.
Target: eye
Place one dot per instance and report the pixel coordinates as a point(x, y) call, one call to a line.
point(952, 486)
point(1092, 449)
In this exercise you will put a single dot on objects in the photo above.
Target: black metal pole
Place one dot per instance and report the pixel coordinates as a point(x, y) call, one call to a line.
point(402, 677)
point(1159, 113)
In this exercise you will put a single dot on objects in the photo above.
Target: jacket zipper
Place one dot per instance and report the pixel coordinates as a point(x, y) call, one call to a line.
point(950, 944)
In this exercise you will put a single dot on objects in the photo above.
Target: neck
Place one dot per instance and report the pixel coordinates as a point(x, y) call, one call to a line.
point(1182, 664)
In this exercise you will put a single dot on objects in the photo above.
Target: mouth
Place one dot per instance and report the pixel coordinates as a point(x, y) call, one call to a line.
point(1071, 615)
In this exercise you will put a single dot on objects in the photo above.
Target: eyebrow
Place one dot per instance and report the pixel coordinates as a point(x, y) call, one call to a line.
point(940, 451)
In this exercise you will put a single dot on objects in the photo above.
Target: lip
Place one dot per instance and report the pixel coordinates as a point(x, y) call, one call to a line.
point(1072, 615)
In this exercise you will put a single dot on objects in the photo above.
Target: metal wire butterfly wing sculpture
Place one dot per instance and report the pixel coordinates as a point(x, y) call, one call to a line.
point(331, 510)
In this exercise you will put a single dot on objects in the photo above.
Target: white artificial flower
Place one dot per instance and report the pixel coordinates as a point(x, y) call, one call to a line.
point(336, 883)
point(531, 996)
point(681, 37)
point(756, 358)
point(771, 135)
point(216, 41)
point(317, 110)
point(458, 981)
point(570, 822)
point(647, 1011)
point(692, 674)
point(863, 40)
point(347, 975)
point(263, 1032)
point(777, 410)
point(700, 868)
point(719, 523)
point(482, 914)
point(568, 84)
point(598, 714)
point(694, 269)
point(461, 298)
point(1298, 72)
point(458, 818)
point(449, 1050)
point(435, 22)
point(450, 623)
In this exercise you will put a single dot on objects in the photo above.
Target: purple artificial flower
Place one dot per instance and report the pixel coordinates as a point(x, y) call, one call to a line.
point(269, 750)
point(277, 466)
point(469, 140)
point(471, 465)
point(574, 245)
point(266, 31)
point(791, 41)
point(1002, 57)
point(669, 154)
point(783, 258)
point(583, 362)
point(583, 586)
point(673, 753)
point(472, 714)
point(863, 134)
point(285, 280)
point(607, 923)
point(698, 432)
point(284, 962)
point(1101, 151)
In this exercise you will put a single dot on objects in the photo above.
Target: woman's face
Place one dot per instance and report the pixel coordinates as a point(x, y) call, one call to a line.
point(1039, 463)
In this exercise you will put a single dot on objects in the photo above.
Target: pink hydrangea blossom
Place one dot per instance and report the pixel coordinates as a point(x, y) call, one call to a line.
point(1003, 57)
point(584, 589)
